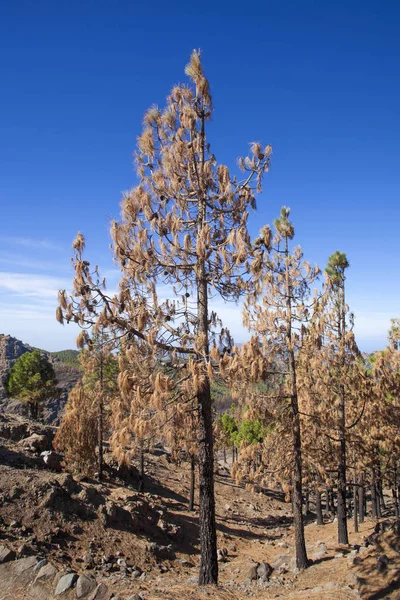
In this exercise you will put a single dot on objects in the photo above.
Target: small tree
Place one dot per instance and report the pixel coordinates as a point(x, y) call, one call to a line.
point(32, 380)
point(77, 434)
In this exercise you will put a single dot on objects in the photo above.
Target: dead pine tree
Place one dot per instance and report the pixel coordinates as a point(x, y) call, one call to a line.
point(276, 312)
point(184, 227)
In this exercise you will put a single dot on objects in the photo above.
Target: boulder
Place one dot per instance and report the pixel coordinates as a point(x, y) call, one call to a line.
point(6, 555)
point(51, 460)
point(85, 586)
point(65, 583)
point(382, 563)
point(47, 571)
point(100, 593)
point(35, 443)
point(264, 571)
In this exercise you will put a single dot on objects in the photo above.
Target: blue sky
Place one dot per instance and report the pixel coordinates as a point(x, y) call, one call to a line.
point(319, 81)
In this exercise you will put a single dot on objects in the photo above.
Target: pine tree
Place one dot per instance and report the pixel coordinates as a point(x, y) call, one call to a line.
point(184, 226)
point(77, 434)
point(32, 380)
point(277, 312)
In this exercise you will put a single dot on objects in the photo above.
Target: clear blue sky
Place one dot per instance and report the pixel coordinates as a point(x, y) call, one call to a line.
point(319, 81)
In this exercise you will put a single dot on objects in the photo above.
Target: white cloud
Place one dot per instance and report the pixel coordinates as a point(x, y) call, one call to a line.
point(33, 285)
point(29, 243)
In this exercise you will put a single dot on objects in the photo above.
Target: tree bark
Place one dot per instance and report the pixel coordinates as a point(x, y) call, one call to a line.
point(100, 420)
point(192, 482)
point(374, 509)
point(343, 537)
point(141, 469)
point(355, 503)
point(318, 507)
point(361, 499)
point(208, 536)
point(300, 544)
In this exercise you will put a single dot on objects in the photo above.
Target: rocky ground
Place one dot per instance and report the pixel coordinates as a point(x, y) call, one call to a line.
point(67, 537)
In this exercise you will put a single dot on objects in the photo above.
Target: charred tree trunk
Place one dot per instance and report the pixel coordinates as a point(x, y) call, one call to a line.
point(318, 507)
point(100, 420)
point(355, 503)
point(300, 543)
point(343, 537)
point(374, 508)
point(141, 469)
point(361, 499)
point(208, 536)
point(192, 482)
point(306, 503)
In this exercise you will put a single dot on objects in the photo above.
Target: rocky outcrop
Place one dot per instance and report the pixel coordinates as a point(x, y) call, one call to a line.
point(10, 350)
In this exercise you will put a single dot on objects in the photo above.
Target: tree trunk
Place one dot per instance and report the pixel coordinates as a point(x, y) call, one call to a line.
point(100, 420)
point(141, 469)
point(318, 507)
point(374, 509)
point(355, 503)
point(306, 502)
point(361, 499)
point(100, 439)
point(208, 536)
point(224, 454)
point(34, 410)
point(300, 544)
point(233, 454)
point(343, 537)
point(192, 482)
point(379, 482)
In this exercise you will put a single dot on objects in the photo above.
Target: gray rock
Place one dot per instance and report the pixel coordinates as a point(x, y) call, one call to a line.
point(6, 555)
point(47, 571)
point(35, 443)
point(382, 563)
point(51, 460)
point(252, 575)
point(264, 571)
point(85, 585)
point(66, 583)
point(100, 593)
point(40, 564)
point(24, 564)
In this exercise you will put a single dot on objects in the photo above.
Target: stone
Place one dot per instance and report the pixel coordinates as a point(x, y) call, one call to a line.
point(382, 563)
point(40, 564)
point(252, 575)
point(66, 583)
point(85, 585)
point(6, 555)
point(51, 460)
point(264, 571)
point(351, 579)
point(35, 443)
point(47, 571)
point(100, 593)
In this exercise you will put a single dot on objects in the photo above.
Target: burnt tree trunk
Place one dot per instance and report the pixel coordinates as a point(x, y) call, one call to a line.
point(300, 544)
point(355, 503)
point(192, 482)
point(318, 507)
point(208, 536)
point(343, 537)
point(374, 508)
point(361, 499)
point(141, 469)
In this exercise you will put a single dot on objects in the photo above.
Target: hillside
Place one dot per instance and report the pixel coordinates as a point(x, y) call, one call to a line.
point(145, 545)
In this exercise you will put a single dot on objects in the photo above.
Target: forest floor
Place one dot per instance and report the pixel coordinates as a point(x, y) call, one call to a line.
point(147, 543)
